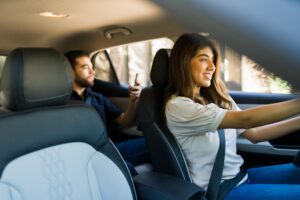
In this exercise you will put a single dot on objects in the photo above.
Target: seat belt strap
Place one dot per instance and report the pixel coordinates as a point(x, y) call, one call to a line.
point(217, 171)
point(230, 184)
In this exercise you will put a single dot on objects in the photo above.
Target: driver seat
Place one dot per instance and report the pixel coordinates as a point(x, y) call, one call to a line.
point(165, 153)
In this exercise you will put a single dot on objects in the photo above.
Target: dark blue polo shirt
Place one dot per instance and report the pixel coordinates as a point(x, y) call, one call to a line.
point(105, 108)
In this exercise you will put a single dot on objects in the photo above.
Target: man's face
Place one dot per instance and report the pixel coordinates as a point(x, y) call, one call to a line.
point(84, 73)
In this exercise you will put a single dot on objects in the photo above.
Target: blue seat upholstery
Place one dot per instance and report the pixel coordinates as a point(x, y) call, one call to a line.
point(50, 150)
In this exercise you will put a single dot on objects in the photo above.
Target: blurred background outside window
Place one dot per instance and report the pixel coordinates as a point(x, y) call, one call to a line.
point(239, 72)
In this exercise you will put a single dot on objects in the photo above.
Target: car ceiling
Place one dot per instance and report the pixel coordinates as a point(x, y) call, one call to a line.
point(266, 31)
point(21, 26)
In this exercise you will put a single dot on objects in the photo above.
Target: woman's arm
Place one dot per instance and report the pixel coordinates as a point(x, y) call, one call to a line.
point(261, 115)
point(272, 131)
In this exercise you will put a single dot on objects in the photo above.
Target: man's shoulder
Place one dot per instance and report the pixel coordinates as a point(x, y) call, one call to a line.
point(75, 96)
point(90, 92)
point(96, 95)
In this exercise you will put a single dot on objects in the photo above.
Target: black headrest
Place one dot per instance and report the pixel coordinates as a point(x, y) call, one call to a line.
point(160, 67)
point(35, 77)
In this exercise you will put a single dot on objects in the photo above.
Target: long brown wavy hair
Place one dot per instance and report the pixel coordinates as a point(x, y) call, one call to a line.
point(180, 79)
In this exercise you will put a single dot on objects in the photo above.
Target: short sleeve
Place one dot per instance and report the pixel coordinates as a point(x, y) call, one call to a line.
point(185, 117)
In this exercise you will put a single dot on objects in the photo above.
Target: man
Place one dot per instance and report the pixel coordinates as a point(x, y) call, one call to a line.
point(133, 151)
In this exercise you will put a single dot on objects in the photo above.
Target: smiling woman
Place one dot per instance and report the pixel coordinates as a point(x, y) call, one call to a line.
point(120, 37)
point(202, 68)
point(197, 104)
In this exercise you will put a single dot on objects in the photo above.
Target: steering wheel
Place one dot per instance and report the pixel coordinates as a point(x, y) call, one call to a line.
point(297, 160)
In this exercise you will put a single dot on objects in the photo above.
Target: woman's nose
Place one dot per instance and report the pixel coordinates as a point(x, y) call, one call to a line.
point(211, 65)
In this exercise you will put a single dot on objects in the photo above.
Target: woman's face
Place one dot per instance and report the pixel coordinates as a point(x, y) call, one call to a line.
point(202, 67)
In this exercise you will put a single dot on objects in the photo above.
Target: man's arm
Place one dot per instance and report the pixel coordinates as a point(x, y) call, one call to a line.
point(127, 118)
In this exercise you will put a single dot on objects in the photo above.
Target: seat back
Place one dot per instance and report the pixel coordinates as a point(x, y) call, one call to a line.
point(49, 150)
point(164, 151)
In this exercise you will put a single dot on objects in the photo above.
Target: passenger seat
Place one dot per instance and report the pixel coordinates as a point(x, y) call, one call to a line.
point(49, 150)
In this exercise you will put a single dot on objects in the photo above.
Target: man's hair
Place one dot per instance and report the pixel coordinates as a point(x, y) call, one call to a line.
point(73, 55)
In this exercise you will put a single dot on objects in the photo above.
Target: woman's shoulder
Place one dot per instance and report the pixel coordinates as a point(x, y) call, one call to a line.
point(185, 110)
point(184, 105)
point(179, 104)
point(179, 99)
point(187, 105)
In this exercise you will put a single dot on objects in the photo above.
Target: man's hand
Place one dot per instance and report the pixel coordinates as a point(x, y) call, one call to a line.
point(128, 117)
point(134, 91)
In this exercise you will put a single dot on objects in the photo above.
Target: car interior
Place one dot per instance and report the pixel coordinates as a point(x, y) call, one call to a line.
point(57, 132)
point(53, 148)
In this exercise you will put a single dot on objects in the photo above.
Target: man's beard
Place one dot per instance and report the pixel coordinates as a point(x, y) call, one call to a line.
point(84, 83)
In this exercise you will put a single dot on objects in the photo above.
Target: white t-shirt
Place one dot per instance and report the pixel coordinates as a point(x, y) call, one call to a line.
point(195, 128)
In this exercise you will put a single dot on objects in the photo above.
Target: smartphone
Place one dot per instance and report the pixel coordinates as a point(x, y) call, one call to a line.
point(135, 79)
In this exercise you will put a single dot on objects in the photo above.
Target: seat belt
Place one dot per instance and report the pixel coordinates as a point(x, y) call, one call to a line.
point(217, 171)
point(216, 190)
point(230, 184)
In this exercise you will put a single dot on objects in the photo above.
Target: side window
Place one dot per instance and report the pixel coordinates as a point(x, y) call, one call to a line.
point(127, 60)
point(240, 73)
point(103, 68)
point(2, 61)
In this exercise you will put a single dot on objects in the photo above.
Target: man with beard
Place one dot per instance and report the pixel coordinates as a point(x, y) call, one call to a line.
point(133, 151)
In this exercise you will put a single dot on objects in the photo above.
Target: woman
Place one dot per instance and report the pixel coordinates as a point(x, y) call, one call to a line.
point(197, 104)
